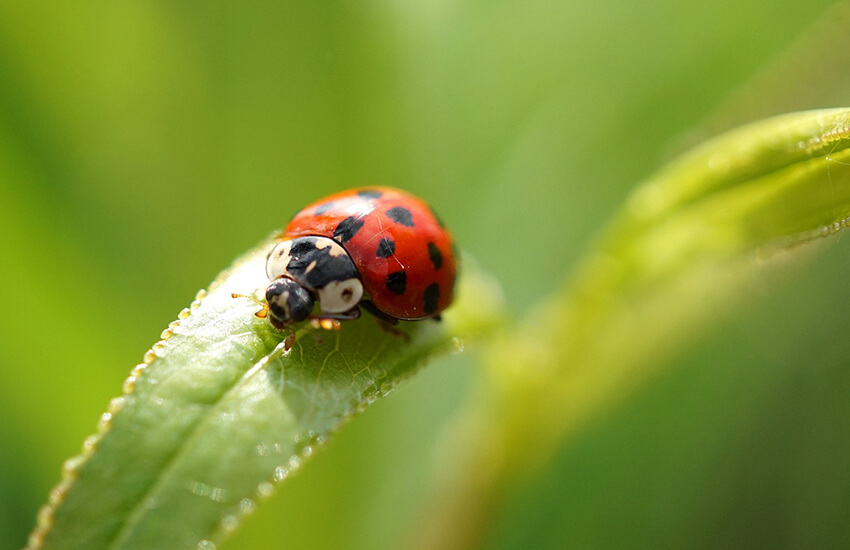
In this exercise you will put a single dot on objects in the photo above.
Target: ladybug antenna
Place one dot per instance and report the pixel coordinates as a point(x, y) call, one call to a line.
point(263, 313)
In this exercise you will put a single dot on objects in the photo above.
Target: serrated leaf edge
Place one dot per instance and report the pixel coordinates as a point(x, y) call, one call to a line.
point(44, 517)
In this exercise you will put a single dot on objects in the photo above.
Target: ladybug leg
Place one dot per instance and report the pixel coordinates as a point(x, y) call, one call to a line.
point(282, 327)
point(289, 340)
point(369, 306)
point(263, 313)
point(387, 323)
point(345, 316)
point(331, 321)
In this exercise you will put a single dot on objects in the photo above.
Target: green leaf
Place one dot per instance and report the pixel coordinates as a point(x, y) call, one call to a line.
point(218, 414)
point(678, 257)
point(687, 244)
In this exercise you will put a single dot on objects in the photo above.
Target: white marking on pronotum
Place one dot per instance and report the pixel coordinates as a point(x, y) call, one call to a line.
point(335, 248)
point(340, 296)
point(278, 260)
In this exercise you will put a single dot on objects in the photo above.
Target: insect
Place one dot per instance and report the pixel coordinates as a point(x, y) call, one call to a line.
point(376, 248)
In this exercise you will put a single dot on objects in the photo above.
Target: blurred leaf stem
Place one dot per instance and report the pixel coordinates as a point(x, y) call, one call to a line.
point(675, 259)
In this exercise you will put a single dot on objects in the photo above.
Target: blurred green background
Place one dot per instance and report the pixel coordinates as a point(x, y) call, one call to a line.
point(143, 146)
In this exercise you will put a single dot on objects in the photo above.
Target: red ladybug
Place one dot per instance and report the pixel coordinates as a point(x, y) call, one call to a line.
point(376, 247)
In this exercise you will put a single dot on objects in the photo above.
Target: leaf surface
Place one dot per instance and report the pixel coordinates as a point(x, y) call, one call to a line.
point(218, 414)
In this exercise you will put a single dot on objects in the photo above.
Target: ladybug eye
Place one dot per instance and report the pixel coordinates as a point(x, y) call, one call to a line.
point(288, 301)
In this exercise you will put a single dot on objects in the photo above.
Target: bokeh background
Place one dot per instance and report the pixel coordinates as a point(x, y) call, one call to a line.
point(143, 146)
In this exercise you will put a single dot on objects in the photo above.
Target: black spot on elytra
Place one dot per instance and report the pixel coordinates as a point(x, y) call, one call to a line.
point(386, 248)
point(322, 208)
point(369, 193)
point(435, 255)
point(432, 296)
point(397, 282)
point(347, 228)
point(400, 214)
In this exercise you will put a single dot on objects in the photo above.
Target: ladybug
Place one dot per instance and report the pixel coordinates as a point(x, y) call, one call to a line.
point(375, 248)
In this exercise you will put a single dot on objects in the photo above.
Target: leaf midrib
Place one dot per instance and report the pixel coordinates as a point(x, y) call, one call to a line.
point(138, 512)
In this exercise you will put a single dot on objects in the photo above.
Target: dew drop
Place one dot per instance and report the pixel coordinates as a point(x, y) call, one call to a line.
point(459, 345)
point(247, 506)
point(58, 493)
point(69, 467)
point(206, 545)
point(218, 494)
point(36, 539)
point(90, 443)
point(280, 473)
point(45, 516)
point(115, 404)
point(294, 462)
point(198, 488)
point(229, 522)
point(307, 452)
point(265, 489)
point(103, 423)
point(129, 384)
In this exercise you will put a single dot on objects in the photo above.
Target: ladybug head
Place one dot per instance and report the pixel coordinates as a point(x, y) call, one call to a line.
point(288, 302)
